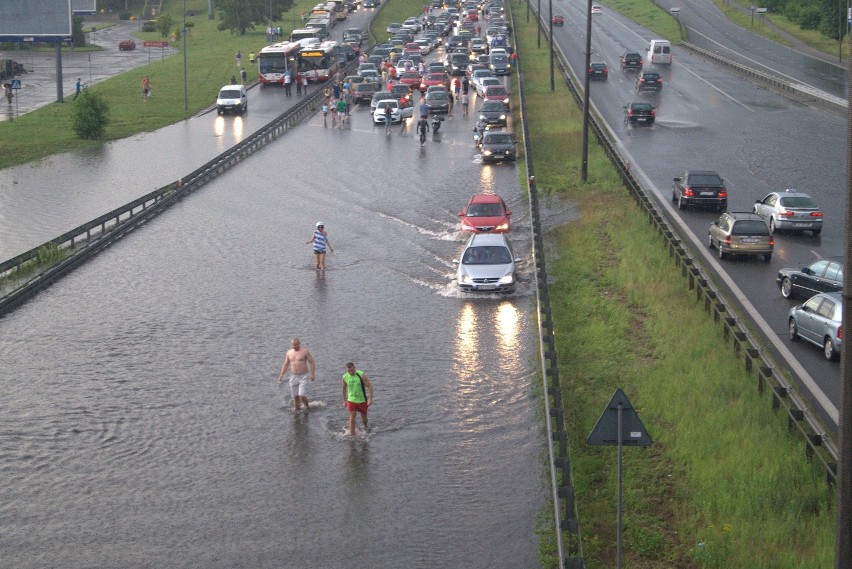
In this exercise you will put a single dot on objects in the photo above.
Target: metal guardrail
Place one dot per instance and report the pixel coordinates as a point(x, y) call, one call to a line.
point(736, 328)
point(568, 537)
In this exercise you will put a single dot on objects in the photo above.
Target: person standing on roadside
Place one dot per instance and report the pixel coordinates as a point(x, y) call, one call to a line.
point(146, 88)
point(321, 243)
point(341, 111)
point(357, 394)
point(78, 86)
point(243, 76)
point(298, 81)
point(239, 57)
point(297, 360)
point(305, 85)
point(287, 83)
point(465, 100)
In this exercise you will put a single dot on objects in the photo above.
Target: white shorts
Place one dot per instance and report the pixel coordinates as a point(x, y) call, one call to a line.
point(299, 385)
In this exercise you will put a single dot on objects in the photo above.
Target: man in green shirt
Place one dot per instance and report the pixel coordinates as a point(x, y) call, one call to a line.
point(357, 395)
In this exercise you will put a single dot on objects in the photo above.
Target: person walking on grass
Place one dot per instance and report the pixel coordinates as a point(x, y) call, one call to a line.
point(78, 86)
point(297, 361)
point(357, 394)
point(146, 88)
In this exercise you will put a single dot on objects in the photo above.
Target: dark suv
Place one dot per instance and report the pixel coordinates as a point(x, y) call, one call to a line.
point(649, 81)
point(700, 188)
point(631, 60)
point(741, 233)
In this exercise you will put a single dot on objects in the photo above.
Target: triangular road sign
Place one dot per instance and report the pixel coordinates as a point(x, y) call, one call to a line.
point(605, 432)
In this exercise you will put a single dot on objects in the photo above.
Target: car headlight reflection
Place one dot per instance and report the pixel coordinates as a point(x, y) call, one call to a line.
point(507, 279)
point(502, 227)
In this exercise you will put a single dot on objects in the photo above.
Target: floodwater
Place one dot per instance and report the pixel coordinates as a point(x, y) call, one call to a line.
point(142, 424)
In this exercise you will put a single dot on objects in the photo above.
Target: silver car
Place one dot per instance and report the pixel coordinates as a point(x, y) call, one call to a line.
point(487, 264)
point(790, 210)
point(819, 321)
point(736, 233)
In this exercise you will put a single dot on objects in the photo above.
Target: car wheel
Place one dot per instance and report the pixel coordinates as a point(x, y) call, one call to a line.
point(772, 225)
point(793, 330)
point(767, 257)
point(710, 241)
point(722, 254)
point(828, 350)
point(786, 288)
point(816, 232)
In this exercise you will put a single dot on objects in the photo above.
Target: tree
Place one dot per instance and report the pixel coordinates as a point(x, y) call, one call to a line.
point(90, 115)
point(240, 16)
point(164, 24)
point(78, 37)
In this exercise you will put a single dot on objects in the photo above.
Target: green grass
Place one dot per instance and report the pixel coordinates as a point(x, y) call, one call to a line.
point(210, 64)
point(724, 485)
point(811, 37)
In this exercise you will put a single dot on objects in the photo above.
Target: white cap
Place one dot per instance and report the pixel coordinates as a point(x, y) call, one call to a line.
point(320, 224)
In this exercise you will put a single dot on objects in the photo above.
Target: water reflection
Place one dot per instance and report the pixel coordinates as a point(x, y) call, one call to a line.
point(486, 181)
point(222, 124)
point(467, 343)
point(508, 324)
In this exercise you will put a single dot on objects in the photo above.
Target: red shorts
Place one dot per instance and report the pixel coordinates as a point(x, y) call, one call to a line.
point(359, 407)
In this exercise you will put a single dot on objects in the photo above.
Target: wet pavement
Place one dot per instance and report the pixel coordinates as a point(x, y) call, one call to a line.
point(38, 84)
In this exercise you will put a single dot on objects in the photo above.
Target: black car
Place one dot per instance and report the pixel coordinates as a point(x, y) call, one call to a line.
point(631, 60)
point(438, 101)
point(497, 145)
point(825, 275)
point(598, 70)
point(649, 81)
point(700, 188)
point(637, 113)
point(493, 113)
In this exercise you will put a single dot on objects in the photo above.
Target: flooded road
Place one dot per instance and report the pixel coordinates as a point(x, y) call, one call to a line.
point(142, 422)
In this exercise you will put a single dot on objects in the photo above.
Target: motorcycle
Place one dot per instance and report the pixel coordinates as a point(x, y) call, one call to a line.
point(436, 123)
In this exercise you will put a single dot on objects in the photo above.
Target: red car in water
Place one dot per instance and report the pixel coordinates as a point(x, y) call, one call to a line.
point(496, 93)
point(126, 45)
point(485, 214)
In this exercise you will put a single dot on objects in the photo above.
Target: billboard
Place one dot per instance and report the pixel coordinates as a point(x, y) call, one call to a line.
point(35, 20)
point(79, 7)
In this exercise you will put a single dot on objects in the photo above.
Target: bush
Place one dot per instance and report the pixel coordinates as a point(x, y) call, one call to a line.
point(90, 115)
point(149, 26)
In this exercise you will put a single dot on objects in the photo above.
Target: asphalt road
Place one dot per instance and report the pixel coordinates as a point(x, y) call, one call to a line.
point(758, 140)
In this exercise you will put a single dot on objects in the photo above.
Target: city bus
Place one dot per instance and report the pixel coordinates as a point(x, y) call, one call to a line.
point(319, 63)
point(273, 60)
point(306, 33)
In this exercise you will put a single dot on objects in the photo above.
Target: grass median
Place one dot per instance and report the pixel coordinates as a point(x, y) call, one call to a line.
point(210, 65)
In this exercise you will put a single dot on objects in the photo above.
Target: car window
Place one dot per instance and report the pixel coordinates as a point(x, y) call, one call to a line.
point(834, 272)
point(798, 201)
point(704, 180)
point(231, 94)
point(725, 223)
point(812, 304)
point(489, 255)
point(818, 268)
point(826, 309)
point(499, 138)
point(749, 227)
point(770, 200)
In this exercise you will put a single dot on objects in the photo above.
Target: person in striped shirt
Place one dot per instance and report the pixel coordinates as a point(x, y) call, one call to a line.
point(321, 243)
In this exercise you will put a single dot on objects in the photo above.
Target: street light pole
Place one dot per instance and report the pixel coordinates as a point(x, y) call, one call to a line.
point(183, 33)
point(584, 169)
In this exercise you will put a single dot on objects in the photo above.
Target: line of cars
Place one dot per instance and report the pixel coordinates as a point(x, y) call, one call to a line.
point(818, 320)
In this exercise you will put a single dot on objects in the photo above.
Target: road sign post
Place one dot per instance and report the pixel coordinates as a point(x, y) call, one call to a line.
point(619, 425)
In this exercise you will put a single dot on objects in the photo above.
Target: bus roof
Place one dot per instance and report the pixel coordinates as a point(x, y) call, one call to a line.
point(282, 47)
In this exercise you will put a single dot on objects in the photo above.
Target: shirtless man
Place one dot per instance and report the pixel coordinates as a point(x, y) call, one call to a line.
point(297, 359)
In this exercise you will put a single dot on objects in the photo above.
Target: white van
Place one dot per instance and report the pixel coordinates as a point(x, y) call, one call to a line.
point(232, 98)
point(660, 52)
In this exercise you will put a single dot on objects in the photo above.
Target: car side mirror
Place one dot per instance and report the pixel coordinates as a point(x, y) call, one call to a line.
point(807, 271)
point(676, 180)
point(461, 213)
point(455, 261)
point(518, 260)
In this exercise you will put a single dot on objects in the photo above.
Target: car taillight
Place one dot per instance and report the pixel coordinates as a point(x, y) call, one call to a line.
point(728, 240)
point(786, 213)
point(687, 191)
point(840, 332)
point(652, 113)
point(771, 241)
point(816, 214)
point(723, 194)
